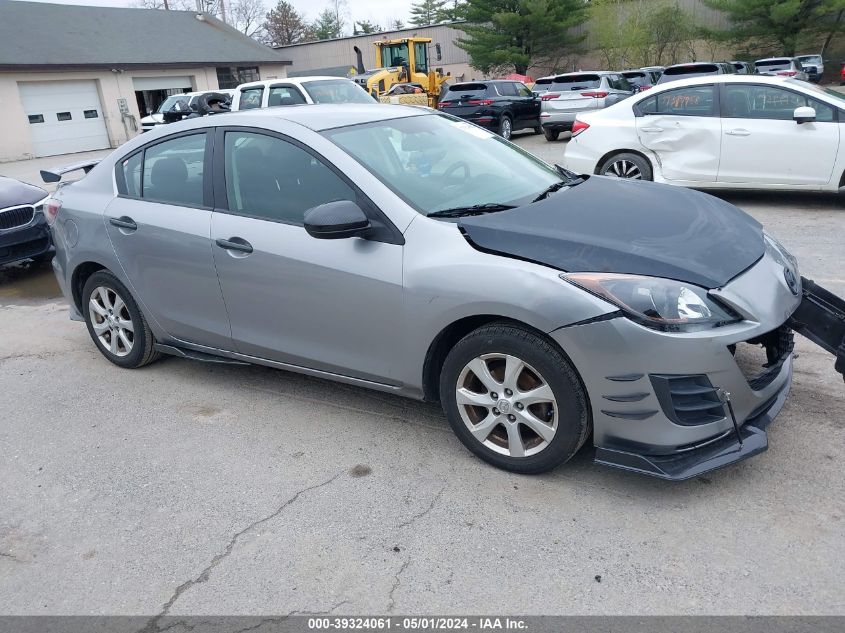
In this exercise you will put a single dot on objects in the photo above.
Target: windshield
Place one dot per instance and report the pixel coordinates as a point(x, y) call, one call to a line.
point(810, 59)
point(637, 78)
point(394, 55)
point(773, 64)
point(576, 82)
point(336, 91)
point(436, 162)
point(172, 100)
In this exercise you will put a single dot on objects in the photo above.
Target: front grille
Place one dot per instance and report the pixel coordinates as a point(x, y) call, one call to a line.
point(760, 359)
point(688, 400)
point(14, 217)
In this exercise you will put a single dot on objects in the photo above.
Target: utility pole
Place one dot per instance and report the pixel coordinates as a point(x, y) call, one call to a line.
point(223, 10)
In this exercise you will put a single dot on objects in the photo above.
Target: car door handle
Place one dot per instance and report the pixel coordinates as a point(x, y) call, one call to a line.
point(651, 129)
point(235, 244)
point(738, 132)
point(124, 222)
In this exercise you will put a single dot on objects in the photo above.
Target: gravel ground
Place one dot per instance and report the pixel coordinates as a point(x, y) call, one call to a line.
point(188, 488)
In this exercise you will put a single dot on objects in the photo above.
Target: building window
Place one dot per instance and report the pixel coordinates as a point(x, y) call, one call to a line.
point(36, 118)
point(233, 76)
point(91, 114)
point(63, 116)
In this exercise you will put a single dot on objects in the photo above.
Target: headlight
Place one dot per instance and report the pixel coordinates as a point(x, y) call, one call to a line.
point(662, 304)
point(782, 256)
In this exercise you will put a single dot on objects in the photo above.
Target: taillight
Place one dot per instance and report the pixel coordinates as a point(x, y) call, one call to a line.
point(444, 104)
point(480, 102)
point(596, 94)
point(51, 210)
point(578, 127)
point(786, 73)
point(645, 87)
point(549, 95)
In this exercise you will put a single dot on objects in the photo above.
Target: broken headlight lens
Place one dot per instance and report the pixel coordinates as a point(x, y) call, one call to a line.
point(663, 304)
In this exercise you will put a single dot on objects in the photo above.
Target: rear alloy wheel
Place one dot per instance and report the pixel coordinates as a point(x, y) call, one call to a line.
point(505, 127)
point(550, 134)
point(514, 399)
point(629, 166)
point(115, 322)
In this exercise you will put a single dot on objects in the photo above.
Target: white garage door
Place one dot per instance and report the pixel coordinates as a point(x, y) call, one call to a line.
point(64, 116)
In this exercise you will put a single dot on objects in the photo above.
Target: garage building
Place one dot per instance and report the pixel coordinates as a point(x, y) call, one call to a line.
point(79, 78)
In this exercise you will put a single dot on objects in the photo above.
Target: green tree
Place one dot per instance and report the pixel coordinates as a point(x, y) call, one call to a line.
point(327, 26)
point(426, 12)
point(505, 35)
point(365, 27)
point(779, 25)
point(451, 11)
point(396, 25)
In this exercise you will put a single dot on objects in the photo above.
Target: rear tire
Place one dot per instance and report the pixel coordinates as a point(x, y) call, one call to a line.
point(506, 127)
point(115, 322)
point(628, 166)
point(496, 418)
point(551, 135)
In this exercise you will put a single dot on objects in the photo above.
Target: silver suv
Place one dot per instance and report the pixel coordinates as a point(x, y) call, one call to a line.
point(575, 93)
point(781, 67)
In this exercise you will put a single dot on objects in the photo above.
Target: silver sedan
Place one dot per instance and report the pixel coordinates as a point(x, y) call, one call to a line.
point(406, 251)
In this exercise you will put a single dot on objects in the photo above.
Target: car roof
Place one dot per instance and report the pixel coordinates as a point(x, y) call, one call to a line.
point(773, 80)
point(320, 117)
point(774, 59)
point(287, 80)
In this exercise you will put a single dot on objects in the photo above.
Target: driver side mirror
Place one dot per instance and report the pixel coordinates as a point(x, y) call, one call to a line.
point(336, 220)
point(804, 114)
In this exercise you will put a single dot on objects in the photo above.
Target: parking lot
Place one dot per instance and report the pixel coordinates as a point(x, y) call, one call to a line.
point(188, 488)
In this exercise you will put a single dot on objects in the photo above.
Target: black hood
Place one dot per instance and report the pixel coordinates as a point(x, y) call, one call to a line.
point(14, 192)
point(624, 226)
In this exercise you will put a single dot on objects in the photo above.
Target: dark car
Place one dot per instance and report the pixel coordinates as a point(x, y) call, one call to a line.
point(641, 79)
point(695, 69)
point(500, 105)
point(24, 233)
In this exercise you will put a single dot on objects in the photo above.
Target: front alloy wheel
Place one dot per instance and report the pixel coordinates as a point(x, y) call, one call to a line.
point(506, 405)
point(514, 399)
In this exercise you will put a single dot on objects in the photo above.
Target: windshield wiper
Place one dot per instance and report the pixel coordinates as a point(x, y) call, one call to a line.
point(475, 209)
point(570, 180)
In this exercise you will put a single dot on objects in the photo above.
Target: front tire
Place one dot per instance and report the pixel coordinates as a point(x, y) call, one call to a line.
point(506, 127)
point(115, 322)
point(628, 166)
point(538, 129)
point(514, 399)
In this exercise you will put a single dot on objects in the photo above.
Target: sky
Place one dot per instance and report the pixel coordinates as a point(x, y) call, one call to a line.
point(378, 11)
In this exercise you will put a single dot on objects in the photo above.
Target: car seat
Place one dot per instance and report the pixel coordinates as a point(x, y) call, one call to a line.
point(737, 105)
point(169, 182)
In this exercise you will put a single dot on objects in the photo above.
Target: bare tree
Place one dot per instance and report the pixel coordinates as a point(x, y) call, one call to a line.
point(247, 16)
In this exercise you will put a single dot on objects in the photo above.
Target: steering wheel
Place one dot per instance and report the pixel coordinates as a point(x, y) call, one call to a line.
point(455, 167)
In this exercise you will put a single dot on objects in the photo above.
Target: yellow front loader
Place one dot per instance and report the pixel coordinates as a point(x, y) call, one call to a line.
point(403, 74)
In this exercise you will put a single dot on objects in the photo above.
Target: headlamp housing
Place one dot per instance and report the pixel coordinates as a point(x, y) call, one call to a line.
point(657, 303)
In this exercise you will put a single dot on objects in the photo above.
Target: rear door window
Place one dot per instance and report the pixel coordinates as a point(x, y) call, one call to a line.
point(691, 101)
point(173, 171)
point(284, 95)
point(506, 89)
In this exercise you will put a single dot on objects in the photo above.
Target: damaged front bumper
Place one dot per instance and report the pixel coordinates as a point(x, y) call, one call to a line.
point(821, 318)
